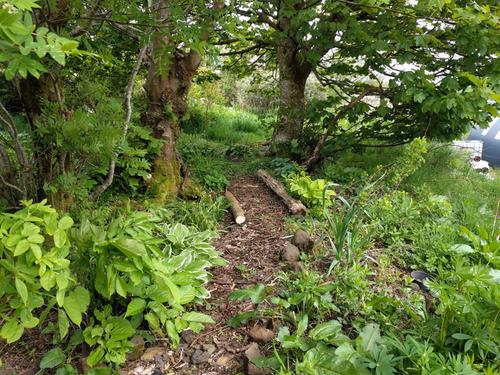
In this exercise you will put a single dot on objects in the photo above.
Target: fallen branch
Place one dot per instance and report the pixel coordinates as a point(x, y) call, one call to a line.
point(295, 206)
point(238, 213)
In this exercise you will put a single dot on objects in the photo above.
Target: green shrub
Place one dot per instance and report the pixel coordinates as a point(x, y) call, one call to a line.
point(135, 267)
point(35, 274)
point(223, 124)
point(161, 267)
point(343, 174)
point(109, 336)
point(284, 167)
point(313, 192)
point(203, 214)
point(418, 231)
point(215, 181)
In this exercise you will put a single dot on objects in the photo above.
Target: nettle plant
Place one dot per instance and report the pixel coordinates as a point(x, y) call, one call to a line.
point(35, 271)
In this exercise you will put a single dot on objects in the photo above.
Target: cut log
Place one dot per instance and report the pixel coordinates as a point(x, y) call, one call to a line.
point(238, 213)
point(295, 206)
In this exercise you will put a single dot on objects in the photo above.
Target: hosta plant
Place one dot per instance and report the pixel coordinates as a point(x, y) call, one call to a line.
point(153, 270)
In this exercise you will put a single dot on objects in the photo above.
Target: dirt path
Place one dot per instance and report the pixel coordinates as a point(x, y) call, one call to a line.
point(252, 252)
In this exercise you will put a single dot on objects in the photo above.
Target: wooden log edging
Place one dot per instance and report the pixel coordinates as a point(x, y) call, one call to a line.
point(237, 211)
point(295, 206)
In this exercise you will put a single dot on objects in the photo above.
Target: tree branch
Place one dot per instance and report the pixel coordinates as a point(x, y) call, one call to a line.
point(128, 115)
point(244, 50)
point(319, 146)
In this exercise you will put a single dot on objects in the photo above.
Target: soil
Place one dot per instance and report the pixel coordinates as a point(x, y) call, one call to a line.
point(252, 252)
point(23, 357)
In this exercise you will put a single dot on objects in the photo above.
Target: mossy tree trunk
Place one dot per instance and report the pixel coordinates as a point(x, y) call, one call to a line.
point(293, 75)
point(294, 69)
point(167, 102)
point(48, 162)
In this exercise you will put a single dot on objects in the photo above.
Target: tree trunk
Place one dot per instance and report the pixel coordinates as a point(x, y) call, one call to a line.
point(167, 103)
point(293, 75)
point(32, 91)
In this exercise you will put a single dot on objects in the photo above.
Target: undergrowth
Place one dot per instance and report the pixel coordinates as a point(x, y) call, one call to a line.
point(355, 308)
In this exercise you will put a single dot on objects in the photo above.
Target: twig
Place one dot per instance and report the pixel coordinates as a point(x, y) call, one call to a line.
point(13, 187)
point(128, 103)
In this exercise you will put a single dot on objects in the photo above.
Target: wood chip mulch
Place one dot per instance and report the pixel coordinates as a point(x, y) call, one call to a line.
point(252, 252)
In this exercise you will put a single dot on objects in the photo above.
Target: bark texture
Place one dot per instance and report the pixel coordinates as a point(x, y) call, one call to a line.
point(167, 102)
point(295, 206)
point(293, 74)
point(33, 91)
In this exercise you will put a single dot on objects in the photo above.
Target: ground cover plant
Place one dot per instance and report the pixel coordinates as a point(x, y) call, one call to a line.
point(123, 125)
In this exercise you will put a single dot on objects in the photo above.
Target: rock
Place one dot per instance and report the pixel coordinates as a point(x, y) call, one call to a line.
point(225, 360)
point(200, 356)
point(138, 350)
point(295, 266)
point(254, 370)
point(302, 240)
point(253, 351)
point(290, 253)
point(298, 267)
point(209, 348)
point(150, 353)
point(187, 336)
point(142, 370)
point(261, 334)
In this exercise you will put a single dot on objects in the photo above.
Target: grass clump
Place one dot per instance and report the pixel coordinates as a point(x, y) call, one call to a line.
point(225, 125)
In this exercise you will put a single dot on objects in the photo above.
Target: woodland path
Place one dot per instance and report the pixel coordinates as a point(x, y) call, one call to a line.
point(252, 252)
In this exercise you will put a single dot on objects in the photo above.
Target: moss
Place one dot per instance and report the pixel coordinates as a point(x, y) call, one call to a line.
point(191, 189)
point(166, 180)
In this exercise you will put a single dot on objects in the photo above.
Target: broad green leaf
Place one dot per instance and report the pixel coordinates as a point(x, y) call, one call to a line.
point(11, 331)
point(130, 247)
point(52, 358)
point(174, 290)
point(122, 329)
point(28, 320)
point(369, 336)
point(136, 306)
point(30, 229)
point(59, 56)
point(60, 238)
point(36, 239)
point(26, 4)
point(63, 323)
point(172, 333)
point(326, 331)
point(95, 356)
point(76, 303)
point(48, 280)
point(36, 250)
point(65, 223)
point(121, 287)
point(21, 247)
point(255, 293)
point(462, 249)
point(153, 321)
point(197, 317)
point(22, 290)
